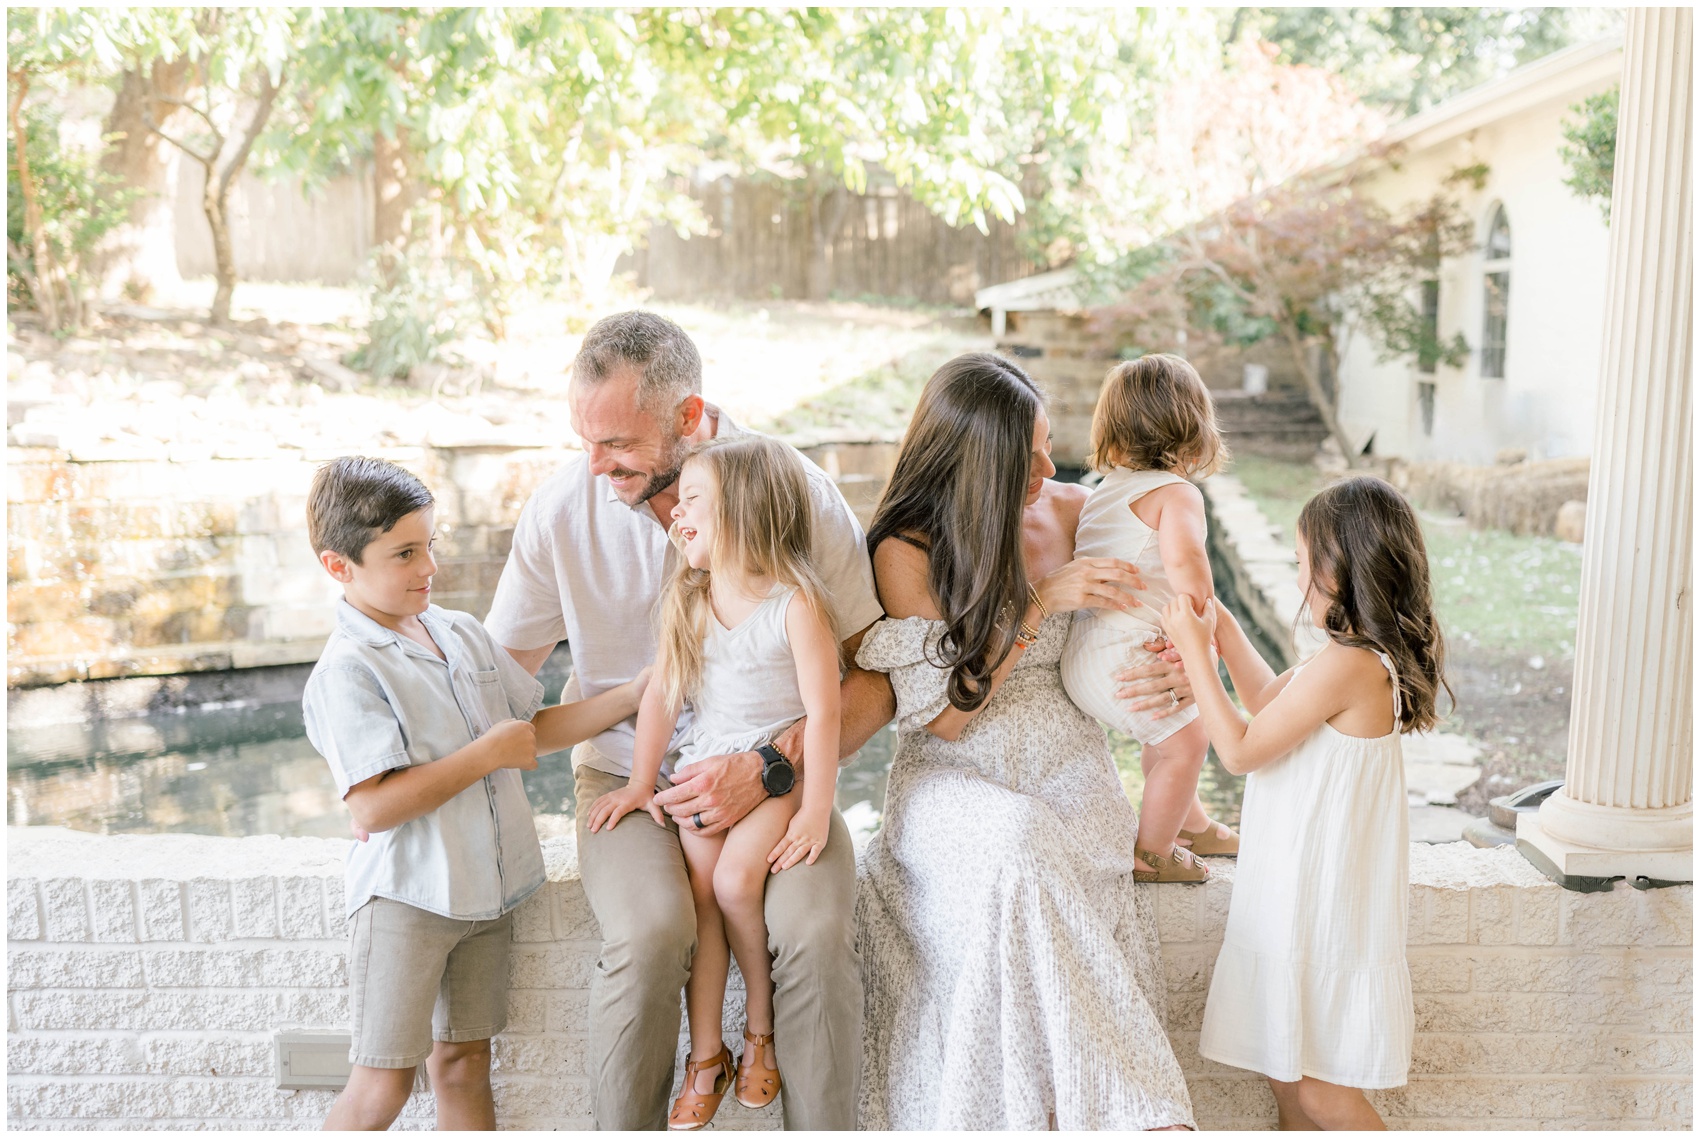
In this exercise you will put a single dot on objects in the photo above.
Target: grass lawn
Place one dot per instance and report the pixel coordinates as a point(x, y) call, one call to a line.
point(1507, 606)
point(1493, 590)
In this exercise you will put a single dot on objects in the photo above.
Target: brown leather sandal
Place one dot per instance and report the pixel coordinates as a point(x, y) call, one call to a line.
point(757, 1085)
point(1208, 842)
point(695, 1109)
point(1180, 866)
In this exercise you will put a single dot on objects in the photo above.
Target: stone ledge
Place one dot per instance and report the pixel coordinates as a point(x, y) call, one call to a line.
point(149, 973)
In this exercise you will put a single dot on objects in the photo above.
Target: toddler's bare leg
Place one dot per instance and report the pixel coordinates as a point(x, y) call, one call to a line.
point(1171, 787)
point(705, 991)
point(740, 882)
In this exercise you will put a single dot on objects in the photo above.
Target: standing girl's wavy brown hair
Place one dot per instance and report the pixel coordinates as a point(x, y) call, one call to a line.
point(763, 527)
point(1368, 565)
point(958, 492)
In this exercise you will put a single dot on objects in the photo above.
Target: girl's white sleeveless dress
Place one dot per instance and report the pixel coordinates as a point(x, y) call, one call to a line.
point(749, 692)
point(1312, 978)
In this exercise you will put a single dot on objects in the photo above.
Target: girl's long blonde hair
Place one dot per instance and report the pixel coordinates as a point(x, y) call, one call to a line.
point(763, 528)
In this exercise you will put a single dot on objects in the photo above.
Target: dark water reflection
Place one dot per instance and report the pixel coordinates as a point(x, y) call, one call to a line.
point(234, 771)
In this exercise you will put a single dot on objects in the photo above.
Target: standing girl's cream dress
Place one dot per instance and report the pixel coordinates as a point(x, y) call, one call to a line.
point(1009, 961)
point(1312, 977)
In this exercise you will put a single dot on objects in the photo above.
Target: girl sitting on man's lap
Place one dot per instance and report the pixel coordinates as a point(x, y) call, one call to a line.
point(748, 639)
point(1311, 988)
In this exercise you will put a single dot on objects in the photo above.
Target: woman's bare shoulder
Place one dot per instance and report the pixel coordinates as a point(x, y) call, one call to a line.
point(1065, 500)
point(900, 578)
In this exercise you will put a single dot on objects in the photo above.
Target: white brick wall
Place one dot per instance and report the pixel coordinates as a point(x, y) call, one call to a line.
point(148, 975)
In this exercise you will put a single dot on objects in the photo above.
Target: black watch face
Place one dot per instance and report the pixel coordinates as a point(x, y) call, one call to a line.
point(778, 778)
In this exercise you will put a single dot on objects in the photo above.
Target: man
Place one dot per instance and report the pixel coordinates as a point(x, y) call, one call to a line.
point(590, 556)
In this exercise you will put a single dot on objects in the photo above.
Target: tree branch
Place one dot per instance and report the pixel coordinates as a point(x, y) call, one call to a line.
point(174, 101)
point(152, 125)
point(262, 112)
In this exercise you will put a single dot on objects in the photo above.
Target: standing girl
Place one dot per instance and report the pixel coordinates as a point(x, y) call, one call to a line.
point(1311, 988)
point(746, 636)
point(1154, 428)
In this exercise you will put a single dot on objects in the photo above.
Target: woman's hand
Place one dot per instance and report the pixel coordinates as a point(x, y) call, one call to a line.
point(1190, 629)
point(606, 812)
point(804, 838)
point(1091, 583)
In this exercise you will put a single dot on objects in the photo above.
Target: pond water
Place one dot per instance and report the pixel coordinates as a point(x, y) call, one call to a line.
point(232, 770)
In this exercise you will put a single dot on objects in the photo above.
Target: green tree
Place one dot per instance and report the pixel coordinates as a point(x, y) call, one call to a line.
point(1412, 58)
point(1310, 262)
point(1590, 150)
point(62, 204)
point(237, 60)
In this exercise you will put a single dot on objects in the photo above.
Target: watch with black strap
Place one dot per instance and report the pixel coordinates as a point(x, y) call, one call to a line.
point(778, 776)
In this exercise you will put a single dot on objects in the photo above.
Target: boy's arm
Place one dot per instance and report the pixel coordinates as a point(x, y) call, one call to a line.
point(568, 724)
point(394, 797)
point(1180, 541)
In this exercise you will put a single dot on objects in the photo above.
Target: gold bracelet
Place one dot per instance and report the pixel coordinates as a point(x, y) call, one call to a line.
point(1033, 592)
point(1026, 635)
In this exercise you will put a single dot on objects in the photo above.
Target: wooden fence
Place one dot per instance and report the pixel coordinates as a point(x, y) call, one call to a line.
point(759, 245)
point(761, 242)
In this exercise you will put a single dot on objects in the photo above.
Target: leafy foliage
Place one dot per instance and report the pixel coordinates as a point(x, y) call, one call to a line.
point(1590, 150)
point(1411, 58)
point(79, 205)
point(1311, 262)
point(417, 302)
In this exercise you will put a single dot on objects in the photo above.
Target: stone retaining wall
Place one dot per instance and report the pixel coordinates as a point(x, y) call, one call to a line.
point(146, 567)
point(147, 977)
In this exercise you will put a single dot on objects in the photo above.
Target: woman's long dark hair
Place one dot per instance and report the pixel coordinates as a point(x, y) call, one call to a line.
point(958, 490)
point(1370, 567)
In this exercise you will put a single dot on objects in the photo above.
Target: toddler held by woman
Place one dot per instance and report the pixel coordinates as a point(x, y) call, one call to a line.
point(1154, 428)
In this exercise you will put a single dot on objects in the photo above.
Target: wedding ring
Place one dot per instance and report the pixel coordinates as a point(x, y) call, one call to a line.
point(696, 819)
point(1174, 700)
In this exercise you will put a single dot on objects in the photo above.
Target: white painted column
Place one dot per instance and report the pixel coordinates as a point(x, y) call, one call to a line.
point(1627, 807)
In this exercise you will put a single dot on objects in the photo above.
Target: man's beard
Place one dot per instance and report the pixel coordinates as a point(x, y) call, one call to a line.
point(658, 482)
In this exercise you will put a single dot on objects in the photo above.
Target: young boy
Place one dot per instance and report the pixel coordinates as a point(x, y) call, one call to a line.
point(426, 722)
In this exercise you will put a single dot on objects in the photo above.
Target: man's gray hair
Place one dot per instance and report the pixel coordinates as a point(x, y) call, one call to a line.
point(670, 367)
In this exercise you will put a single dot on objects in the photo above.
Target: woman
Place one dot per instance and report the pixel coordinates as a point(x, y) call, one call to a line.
point(1010, 962)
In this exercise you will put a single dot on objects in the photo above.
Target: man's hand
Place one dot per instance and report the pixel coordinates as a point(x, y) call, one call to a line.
point(1161, 687)
point(721, 789)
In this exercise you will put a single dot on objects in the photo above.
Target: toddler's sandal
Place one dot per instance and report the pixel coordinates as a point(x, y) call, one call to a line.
point(1208, 842)
point(1180, 867)
point(757, 1084)
point(695, 1109)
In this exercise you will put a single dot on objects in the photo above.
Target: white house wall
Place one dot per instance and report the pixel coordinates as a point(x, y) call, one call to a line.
point(1545, 403)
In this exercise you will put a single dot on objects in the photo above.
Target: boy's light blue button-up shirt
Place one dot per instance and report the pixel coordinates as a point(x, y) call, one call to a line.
point(377, 701)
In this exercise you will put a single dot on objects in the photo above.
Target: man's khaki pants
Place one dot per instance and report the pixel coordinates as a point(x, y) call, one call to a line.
point(634, 877)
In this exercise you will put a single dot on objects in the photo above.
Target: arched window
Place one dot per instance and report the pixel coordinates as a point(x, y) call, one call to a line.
point(1496, 294)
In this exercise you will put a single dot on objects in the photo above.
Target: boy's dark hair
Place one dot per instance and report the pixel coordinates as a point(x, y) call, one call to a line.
point(354, 499)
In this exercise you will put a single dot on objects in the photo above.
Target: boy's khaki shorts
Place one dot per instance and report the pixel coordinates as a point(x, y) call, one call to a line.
point(414, 976)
